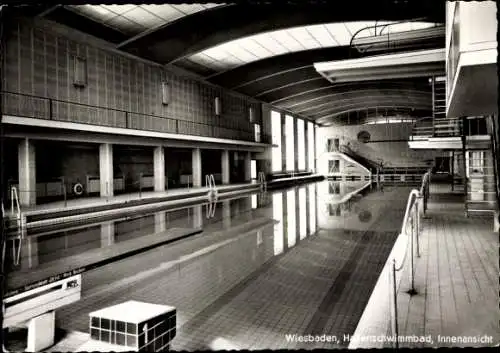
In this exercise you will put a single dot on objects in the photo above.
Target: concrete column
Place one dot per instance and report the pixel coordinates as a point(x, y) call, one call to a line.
point(160, 221)
point(107, 234)
point(295, 145)
point(306, 143)
point(197, 216)
point(283, 142)
point(27, 173)
point(196, 168)
point(248, 166)
point(106, 169)
point(226, 214)
point(159, 168)
point(225, 166)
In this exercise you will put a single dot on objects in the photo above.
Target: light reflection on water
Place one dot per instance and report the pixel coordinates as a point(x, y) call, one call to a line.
point(228, 259)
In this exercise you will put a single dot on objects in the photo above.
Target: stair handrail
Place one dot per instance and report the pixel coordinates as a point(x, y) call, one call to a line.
point(411, 206)
point(416, 204)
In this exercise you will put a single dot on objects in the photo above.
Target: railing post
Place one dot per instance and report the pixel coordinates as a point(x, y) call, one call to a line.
point(419, 200)
point(176, 126)
point(395, 328)
point(126, 120)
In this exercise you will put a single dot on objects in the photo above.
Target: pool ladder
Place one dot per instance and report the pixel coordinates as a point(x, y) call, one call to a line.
point(16, 239)
point(212, 195)
point(210, 184)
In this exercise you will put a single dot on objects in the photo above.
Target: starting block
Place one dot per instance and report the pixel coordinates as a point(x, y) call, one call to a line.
point(131, 326)
point(36, 310)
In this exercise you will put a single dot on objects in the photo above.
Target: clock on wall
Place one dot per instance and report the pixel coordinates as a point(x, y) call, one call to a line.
point(364, 136)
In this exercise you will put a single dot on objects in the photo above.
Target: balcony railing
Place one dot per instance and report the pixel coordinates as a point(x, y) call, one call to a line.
point(25, 105)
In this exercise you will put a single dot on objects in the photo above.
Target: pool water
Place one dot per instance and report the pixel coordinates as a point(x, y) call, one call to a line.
point(267, 269)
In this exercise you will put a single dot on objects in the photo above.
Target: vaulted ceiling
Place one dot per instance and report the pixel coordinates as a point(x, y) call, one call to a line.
point(267, 51)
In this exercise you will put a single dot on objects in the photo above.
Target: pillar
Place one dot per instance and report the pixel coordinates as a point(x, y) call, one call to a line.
point(225, 166)
point(27, 173)
point(160, 221)
point(196, 167)
point(306, 144)
point(295, 145)
point(159, 168)
point(248, 166)
point(106, 169)
point(107, 234)
point(283, 143)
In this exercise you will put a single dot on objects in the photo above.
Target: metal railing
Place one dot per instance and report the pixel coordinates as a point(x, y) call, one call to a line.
point(415, 210)
point(30, 106)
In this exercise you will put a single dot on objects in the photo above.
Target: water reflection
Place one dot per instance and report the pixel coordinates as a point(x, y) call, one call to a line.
point(302, 213)
point(278, 227)
point(291, 227)
point(313, 210)
point(294, 211)
point(347, 205)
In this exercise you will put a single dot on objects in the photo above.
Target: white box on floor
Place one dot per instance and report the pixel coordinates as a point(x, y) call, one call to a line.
point(134, 325)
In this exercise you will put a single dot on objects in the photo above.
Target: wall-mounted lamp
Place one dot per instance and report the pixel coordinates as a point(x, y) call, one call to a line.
point(80, 71)
point(251, 115)
point(165, 93)
point(217, 106)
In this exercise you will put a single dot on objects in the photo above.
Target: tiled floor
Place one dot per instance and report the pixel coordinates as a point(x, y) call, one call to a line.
point(456, 279)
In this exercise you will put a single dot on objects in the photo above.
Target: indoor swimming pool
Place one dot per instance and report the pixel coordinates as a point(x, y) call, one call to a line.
point(298, 261)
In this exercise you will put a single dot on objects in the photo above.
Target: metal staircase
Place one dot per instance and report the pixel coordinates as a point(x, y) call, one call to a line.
point(481, 185)
point(367, 163)
point(439, 97)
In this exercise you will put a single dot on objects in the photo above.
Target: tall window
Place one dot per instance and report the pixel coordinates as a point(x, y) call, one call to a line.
point(290, 143)
point(276, 132)
point(310, 144)
point(301, 144)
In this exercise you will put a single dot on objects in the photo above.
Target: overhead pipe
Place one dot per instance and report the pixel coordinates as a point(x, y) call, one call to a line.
point(383, 27)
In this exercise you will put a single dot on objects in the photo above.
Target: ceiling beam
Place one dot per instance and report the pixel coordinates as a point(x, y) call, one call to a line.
point(365, 100)
point(198, 32)
point(48, 10)
point(329, 117)
point(365, 94)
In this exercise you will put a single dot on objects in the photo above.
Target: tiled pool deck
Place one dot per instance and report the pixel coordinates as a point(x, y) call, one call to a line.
point(456, 279)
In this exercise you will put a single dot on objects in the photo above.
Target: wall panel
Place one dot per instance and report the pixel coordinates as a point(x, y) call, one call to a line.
point(41, 63)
